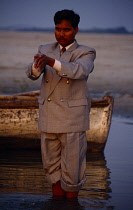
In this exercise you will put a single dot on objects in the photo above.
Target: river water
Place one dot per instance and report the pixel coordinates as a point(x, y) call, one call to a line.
point(109, 177)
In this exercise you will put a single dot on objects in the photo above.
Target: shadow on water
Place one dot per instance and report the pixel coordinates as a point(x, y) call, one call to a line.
point(23, 185)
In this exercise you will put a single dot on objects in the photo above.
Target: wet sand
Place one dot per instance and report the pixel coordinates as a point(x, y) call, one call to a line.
point(113, 73)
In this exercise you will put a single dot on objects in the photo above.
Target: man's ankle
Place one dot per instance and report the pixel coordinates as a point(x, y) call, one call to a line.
point(57, 189)
point(72, 195)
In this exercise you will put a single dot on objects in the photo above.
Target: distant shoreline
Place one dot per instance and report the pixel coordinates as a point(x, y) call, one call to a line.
point(116, 30)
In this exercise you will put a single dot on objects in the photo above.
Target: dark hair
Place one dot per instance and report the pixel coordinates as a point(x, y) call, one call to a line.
point(69, 15)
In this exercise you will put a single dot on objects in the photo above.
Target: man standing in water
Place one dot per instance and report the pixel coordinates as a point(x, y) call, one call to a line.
point(64, 105)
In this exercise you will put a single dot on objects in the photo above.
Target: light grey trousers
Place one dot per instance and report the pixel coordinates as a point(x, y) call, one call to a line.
point(64, 159)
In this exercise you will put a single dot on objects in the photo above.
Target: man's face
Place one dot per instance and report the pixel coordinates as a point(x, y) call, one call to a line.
point(65, 33)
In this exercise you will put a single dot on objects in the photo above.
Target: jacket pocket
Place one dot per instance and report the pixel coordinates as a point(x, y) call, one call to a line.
point(78, 102)
point(41, 100)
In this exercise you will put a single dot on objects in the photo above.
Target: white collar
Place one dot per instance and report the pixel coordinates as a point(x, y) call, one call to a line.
point(67, 47)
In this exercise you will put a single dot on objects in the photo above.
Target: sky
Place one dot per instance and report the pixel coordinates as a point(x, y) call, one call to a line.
point(93, 13)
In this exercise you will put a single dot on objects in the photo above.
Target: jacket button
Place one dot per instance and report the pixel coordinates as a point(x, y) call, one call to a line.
point(47, 81)
point(64, 75)
point(49, 99)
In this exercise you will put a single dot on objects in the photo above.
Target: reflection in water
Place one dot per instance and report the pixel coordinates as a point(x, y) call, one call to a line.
point(22, 171)
point(22, 175)
point(97, 188)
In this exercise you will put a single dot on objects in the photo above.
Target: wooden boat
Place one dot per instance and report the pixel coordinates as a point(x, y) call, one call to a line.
point(19, 121)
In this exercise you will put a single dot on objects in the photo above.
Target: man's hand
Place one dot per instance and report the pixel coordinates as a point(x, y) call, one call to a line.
point(36, 60)
point(40, 61)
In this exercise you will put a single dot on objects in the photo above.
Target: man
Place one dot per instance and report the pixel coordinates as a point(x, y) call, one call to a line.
point(64, 105)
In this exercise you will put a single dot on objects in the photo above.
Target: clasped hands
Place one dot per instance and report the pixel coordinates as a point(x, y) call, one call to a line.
point(41, 60)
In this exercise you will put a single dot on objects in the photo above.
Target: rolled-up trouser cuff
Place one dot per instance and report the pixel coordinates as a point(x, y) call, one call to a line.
point(53, 178)
point(72, 188)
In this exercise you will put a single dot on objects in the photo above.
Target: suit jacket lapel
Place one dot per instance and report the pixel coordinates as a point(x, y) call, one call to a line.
point(65, 57)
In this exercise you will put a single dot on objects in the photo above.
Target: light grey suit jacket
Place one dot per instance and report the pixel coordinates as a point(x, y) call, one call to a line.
point(64, 98)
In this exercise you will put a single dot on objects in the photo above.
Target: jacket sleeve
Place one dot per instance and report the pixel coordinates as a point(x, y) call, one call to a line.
point(80, 68)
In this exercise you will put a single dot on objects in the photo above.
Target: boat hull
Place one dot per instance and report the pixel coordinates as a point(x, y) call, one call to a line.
point(19, 123)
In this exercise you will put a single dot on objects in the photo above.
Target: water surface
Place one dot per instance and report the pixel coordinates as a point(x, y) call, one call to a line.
point(109, 177)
